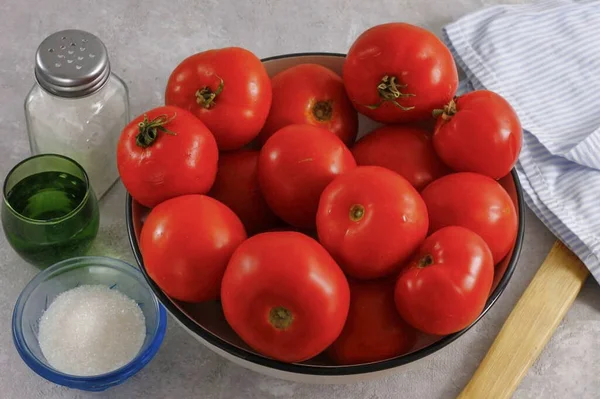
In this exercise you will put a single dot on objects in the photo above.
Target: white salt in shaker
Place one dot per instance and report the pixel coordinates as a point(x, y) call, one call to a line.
point(77, 107)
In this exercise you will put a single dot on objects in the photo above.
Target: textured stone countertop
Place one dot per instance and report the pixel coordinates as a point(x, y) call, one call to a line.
point(145, 40)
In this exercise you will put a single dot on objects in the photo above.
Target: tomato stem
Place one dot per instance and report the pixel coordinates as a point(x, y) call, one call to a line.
point(148, 129)
point(323, 111)
point(281, 318)
point(448, 112)
point(425, 261)
point(205, 97)
point(389, 91)
point(357, 212)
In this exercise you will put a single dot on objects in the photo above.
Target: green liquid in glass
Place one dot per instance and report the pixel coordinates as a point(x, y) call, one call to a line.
point(58, 220)
point(47, 195)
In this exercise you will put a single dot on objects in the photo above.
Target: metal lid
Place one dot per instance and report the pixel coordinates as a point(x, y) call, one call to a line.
point(71, 63)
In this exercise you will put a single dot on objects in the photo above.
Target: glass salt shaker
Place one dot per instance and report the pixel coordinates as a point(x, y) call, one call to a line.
point(78, 107)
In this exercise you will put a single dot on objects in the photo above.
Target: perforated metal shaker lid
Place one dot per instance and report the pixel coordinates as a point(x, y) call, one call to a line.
point(71, 63)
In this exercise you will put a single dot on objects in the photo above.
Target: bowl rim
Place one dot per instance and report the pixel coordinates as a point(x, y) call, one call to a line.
point(337, 370)
point(95, 382)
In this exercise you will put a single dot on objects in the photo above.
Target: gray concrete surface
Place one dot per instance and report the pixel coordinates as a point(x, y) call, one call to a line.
point(146, 39)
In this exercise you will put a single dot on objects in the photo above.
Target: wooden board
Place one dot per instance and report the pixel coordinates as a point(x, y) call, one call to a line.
point(529, 326)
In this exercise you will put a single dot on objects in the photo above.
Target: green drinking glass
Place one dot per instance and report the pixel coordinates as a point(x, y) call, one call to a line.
point(49, 210)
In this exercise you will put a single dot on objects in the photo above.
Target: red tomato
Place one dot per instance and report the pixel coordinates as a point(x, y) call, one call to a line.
point(294, 167)
point(312, 94)
point(397, 72)
point(476, 202)
point(371, 220)
point(186, 243)
point(165, 153)
point(285, 296)
point(236, 186)
point(446, 285)
point(228, 89)
point(373, 331)
point(479, 132)
point(405, 150)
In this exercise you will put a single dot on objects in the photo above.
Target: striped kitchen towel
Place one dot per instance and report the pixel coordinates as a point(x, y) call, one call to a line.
point(544, 58)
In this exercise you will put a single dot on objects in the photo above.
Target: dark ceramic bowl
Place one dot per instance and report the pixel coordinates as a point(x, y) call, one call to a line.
point(206, 321)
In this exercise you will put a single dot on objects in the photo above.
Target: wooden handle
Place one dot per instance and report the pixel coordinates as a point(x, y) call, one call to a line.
point(529, 326)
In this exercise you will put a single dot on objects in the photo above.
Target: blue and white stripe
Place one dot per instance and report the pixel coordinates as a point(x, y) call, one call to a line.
point(544, 58)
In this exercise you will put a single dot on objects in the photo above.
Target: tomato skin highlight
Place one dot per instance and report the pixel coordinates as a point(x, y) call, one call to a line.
point(446, 285)
point(424, 73)
point(479, 132)
point(182, 161)
point(373, 331)
point(241, 88)
point(371, 220)
point(186, 243)
point(294, 167)
point(285, 296)
point(476, 202)
point(236, 186)
point(405, 150)
point(311, 94)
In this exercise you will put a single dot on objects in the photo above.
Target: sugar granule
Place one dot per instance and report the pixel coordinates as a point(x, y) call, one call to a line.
point(91, 330)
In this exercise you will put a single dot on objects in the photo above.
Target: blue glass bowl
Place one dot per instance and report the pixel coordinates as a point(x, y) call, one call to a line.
point(48, 284)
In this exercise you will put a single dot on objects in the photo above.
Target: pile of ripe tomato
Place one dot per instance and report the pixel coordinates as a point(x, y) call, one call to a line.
point(262, 198)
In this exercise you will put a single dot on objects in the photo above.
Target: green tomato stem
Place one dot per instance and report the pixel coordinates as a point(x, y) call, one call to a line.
point(206, 98)
point(148, 130)
point(389, 91)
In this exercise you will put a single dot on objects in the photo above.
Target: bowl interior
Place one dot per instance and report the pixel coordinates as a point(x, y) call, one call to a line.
point(207, 319)
point(40, 293)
